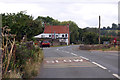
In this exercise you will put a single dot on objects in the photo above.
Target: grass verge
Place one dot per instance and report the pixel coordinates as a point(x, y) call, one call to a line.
point(117, 48)
point(100, 47)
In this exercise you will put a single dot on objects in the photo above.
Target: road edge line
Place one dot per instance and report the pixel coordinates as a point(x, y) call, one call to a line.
point(116, 75)
point(99, 65)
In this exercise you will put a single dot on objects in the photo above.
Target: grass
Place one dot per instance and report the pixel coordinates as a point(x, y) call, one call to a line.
point(27, 64)
point(32, 67)
point(13, 74)
point(117, 48)
point(100, 47)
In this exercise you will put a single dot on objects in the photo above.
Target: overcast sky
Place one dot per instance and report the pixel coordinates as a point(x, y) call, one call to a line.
point(84, 13)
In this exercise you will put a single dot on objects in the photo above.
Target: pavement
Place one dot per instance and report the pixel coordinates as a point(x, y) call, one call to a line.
point(70, 62)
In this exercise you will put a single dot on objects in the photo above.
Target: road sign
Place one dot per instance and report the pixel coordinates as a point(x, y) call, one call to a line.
point(115, 40)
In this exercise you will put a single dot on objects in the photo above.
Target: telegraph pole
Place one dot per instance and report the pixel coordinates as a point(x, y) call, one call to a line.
point(99, 29)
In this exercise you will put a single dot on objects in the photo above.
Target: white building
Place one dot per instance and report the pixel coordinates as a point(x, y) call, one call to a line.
point(56, 32)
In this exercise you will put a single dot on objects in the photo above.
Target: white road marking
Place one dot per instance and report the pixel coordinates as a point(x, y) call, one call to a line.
point(84, 58)
point(74, 54)
point(67, 52)
point(77, 60)
point(99, 65)
point(50, 61)
point(67, 60)
point(116, 75)
point(56, 61)
point(57, 49)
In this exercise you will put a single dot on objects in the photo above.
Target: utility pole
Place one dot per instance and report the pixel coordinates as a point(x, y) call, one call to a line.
point(99, 29)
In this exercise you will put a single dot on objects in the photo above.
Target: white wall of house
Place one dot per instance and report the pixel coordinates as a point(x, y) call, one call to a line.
point(43, 35)
point(49, 35)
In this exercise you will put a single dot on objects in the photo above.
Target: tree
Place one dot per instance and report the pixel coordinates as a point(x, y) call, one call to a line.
point(105, 38)
point(21, 24)
point(104, 28)
point(118, 26)
point(108, 28)
point(90, 38)
point(73, 28)
point(114, 26)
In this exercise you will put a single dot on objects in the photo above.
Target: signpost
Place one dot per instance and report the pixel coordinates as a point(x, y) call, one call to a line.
point(115, 41)
point(99, 30)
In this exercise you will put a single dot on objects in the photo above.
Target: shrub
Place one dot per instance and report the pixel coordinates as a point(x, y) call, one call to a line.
point(26, 62)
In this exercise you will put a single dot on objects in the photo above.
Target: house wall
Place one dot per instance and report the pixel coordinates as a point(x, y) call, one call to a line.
point(60, 36)
point(56, 35)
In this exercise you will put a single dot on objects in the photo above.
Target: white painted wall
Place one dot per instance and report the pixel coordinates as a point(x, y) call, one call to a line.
point(43, 35)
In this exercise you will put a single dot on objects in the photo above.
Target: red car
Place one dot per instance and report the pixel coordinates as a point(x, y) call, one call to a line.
point(45, 44)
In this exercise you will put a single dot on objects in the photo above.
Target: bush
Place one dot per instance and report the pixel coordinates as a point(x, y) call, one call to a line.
point(26, 62)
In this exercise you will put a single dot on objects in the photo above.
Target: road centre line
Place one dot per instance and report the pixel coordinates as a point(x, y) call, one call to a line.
point(99, 65)
point(84, 58)
point(116, 75)
point(74, 54)
point(67, 52)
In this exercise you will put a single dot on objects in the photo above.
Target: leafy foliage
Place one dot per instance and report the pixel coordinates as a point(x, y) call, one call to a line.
point(22, 24)
point(90, 38)
point(25, 56)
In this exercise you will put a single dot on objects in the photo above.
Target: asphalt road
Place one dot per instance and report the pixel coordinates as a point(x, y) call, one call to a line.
point(70, 62)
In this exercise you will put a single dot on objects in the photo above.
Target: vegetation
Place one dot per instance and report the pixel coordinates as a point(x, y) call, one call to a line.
point(19, 60)
point(109, 47)
point(117, 48)
point(26, 63)
point(114, 27)
point(22, 24)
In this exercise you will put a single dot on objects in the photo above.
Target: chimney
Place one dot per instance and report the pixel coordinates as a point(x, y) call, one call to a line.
point(67, 25)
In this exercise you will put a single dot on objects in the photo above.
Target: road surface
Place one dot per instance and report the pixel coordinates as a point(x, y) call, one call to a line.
point(70, 62)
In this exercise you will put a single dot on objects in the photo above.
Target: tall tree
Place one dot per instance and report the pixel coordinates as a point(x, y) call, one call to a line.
point(114, 26)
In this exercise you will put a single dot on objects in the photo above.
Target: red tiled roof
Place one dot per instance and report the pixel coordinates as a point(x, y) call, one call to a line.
point(56, 29)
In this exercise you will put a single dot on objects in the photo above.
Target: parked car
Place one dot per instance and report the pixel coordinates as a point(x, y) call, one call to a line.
point(45, 44)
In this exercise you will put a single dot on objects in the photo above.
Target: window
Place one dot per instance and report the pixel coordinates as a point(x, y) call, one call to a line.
point(63, 35)
point(49, 35)
point(56, 36)
point(42, 36)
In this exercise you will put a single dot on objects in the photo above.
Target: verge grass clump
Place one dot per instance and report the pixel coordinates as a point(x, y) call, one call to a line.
point(109, 47)
point(26, 62)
